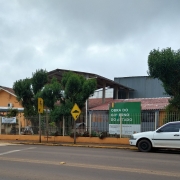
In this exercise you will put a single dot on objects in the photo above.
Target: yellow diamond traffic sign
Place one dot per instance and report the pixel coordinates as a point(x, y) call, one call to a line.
point(75, 111)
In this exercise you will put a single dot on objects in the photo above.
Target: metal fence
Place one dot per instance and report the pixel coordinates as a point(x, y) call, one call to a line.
point(94, 125)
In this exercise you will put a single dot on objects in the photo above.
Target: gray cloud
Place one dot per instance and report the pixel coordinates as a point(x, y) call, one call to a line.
point(111, 38)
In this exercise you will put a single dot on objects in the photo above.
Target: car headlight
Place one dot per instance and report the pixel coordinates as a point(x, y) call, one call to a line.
point(132, 137)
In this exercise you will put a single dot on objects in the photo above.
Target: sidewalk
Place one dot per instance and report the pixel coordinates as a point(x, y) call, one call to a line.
point(107, 146)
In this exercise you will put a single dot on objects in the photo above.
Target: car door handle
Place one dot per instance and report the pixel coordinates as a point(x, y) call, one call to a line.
point(176, 135)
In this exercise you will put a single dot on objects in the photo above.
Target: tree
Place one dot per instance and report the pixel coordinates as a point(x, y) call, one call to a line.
point(51, 93)
point(165, 66)
point(26, 90)
point(24, 93)
point(75, 89)
point(12, 113)
point(38, 80)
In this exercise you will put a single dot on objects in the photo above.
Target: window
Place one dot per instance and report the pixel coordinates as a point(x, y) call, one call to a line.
point(170, 128)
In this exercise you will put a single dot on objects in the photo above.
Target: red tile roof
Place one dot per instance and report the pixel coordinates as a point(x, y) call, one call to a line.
point(146, 103)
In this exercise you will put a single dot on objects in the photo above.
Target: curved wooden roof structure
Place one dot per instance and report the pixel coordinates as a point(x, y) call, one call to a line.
point(101, 81)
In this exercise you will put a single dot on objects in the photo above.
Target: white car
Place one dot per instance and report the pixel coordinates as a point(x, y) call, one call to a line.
point(167, 136)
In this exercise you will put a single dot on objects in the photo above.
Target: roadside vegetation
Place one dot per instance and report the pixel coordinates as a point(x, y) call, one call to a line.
point(59, 97)
point(165, 65)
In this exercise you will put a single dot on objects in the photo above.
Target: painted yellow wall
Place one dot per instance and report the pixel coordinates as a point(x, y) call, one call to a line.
point(66, 139)
point(162, 115)
point(6, 98)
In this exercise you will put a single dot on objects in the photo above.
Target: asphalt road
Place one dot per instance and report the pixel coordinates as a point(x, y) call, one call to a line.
point(37, 162)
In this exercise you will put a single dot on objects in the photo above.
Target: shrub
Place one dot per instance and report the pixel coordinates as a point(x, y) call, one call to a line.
point(77, 134)
point(86, 134)
point(102, 135)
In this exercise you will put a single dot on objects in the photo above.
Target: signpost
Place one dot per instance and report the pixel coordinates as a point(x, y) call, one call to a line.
point(40, 110)
point(124, 118)
point(75, 112)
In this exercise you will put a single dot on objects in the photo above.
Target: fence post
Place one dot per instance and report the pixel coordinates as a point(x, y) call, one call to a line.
point(156, 120)
point(86, 114)
point(63, 125)
point(90, 124)
point(40, 127)
point(0, 123)
point(47, 125)
point(120, 135)
point(19, 126)
point(25, 122)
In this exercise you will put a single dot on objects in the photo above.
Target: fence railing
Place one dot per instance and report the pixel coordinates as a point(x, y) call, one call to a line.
point(96, 125)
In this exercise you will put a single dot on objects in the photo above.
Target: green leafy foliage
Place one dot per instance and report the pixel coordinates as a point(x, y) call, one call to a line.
point(26, 90)
point(39, 79)
point(24, 93)
point(51, 93)
point(12, 113)
point(61, 110)
point(165, 66)
point(59, 98)
point(75, 89)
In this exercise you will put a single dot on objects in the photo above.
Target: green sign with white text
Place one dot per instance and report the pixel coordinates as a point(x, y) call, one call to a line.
point(129, 113)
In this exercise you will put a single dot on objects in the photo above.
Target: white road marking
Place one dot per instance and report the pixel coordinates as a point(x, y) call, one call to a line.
point(9, 152)
point(8, 144)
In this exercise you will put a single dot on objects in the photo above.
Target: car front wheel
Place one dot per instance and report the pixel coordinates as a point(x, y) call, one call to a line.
point(144, 145)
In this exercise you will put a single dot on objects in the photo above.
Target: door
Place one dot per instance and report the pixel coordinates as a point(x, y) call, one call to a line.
point(168, 136)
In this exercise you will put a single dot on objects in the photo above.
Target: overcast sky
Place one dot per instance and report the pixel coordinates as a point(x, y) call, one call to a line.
point(111, 38)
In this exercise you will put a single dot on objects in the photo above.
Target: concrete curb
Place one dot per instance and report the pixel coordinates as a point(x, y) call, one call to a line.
point(79, 145)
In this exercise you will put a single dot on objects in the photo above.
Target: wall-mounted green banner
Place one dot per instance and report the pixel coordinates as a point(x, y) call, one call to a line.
point(130, 115)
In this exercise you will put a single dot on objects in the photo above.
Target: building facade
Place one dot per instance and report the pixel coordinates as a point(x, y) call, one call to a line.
point(8, 101)
point(144, 87)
